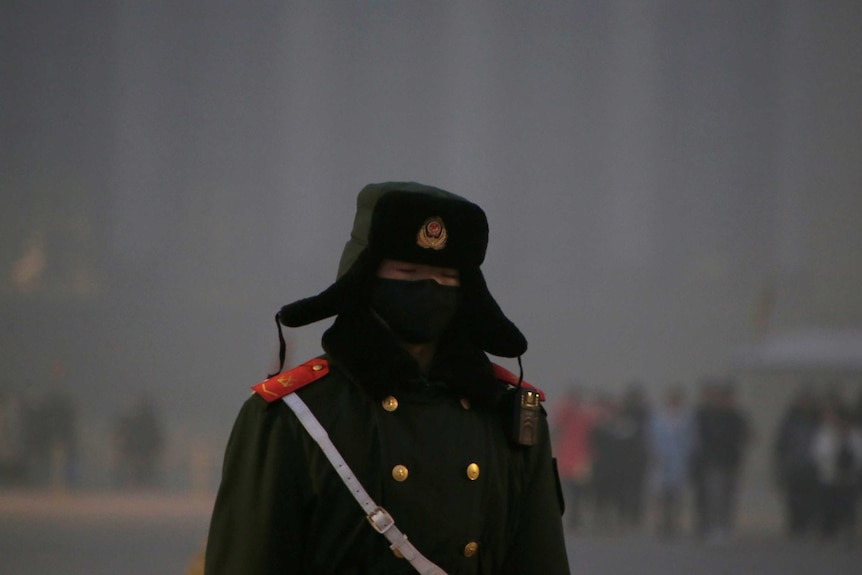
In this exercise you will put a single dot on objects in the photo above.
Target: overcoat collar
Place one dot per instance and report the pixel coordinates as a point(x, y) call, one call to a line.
point(367, 352)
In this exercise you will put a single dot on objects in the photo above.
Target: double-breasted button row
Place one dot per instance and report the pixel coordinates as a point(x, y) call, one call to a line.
point(390, 403)
point(400, 472)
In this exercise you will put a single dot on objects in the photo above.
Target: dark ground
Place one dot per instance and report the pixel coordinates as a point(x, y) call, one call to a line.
point(158, 534)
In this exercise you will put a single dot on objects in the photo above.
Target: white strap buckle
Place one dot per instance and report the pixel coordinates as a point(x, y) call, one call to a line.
point(381, 520)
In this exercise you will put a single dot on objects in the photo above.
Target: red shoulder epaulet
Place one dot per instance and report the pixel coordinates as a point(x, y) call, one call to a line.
point(289, 381)
point(507, 376)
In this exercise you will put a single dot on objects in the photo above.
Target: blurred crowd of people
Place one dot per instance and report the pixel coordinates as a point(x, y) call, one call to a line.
point(675, 467)
point(818, 464)
point(38, 440)
point(40, 443)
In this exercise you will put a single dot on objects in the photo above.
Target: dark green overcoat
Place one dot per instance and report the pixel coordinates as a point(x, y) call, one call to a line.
point(433, 449)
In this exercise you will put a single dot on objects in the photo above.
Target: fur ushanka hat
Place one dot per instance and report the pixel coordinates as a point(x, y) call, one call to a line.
point(421, 224)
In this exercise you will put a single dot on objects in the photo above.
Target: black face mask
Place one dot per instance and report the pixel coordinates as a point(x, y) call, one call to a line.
point(415, 311)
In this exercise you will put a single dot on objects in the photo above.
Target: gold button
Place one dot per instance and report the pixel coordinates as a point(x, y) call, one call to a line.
point(390, 404)
point(399, 473)
point(317, 366)
point(472, 472)
point(465, 403)
point(397, 553)
point(470, 549)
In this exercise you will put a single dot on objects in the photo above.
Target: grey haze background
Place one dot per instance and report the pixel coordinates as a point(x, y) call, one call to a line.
point(654, 173)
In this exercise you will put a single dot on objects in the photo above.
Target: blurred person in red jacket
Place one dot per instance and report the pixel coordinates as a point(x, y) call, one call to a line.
point(573, 424)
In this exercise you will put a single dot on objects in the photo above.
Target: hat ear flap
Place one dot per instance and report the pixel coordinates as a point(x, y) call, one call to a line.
point(348, 291)
point(490, 329)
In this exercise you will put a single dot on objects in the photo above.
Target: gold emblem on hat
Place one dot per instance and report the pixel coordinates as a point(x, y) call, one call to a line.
point(432, 234)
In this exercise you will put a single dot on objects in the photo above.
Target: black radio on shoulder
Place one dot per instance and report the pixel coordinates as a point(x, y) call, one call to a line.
point(526, 413)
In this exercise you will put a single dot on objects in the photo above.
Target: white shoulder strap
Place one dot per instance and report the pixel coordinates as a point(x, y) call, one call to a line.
point(378, 517)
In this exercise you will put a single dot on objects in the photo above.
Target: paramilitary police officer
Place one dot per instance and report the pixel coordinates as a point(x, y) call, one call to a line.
point(402, 448)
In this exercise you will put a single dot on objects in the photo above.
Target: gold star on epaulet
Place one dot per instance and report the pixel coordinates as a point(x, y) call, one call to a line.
point(510, 378)
point(289, 381)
